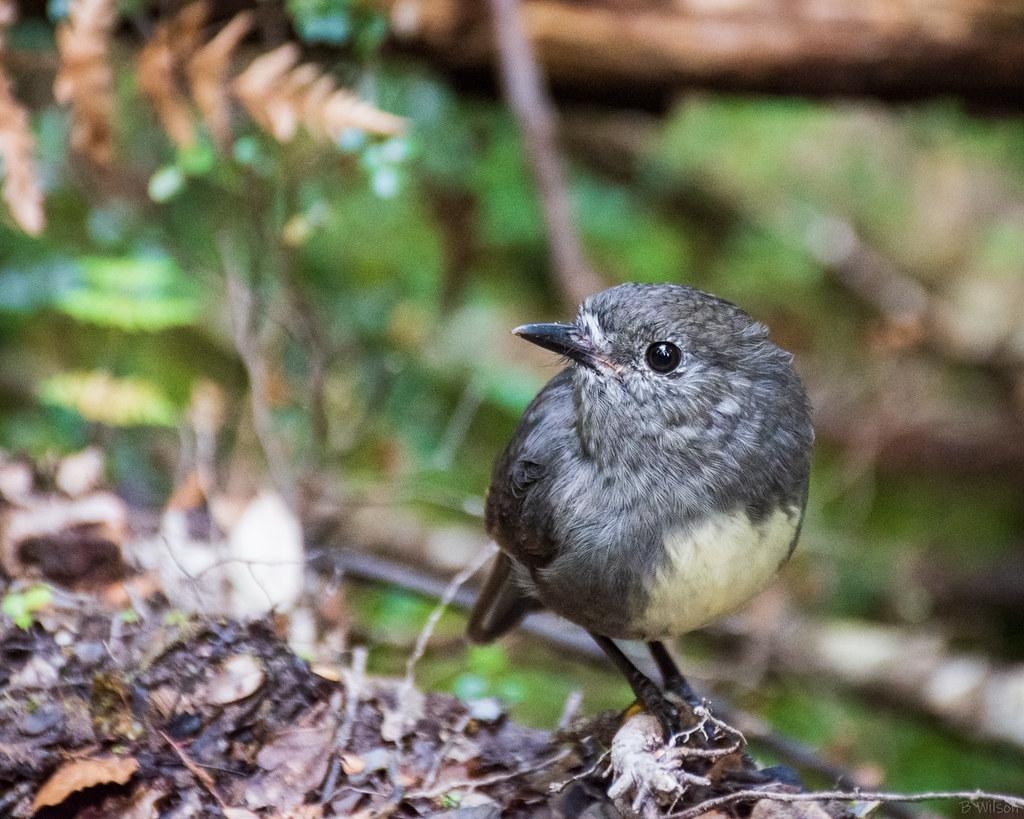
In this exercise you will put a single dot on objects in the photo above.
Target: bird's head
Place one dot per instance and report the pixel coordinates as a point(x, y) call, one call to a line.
point(656, 359)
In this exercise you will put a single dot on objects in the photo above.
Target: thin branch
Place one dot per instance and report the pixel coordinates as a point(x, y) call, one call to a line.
point(1014, 802)
point(447, 597)
point(484, 781)
point(457, 733)
point(201, 775)
point(570, 639)
point(355, 684)
point(243, 311)
point(528, 99)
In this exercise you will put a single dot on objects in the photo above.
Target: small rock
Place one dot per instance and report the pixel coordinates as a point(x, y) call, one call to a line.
point(45, 717)
point(485, 709)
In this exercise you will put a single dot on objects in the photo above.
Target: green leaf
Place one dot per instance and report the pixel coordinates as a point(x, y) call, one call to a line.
point(197, 159)
point(22, 606)
point(134, 293)
point(166, 183)
point(101, 398)
point(321, 21)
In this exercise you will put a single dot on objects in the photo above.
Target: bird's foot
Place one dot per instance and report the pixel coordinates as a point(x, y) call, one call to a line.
point(681, 688)
point(655, 703)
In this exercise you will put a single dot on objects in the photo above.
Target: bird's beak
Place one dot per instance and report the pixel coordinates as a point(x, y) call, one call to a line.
point(565, 339)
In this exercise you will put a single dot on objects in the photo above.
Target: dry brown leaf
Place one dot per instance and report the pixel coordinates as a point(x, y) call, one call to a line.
point(156, 79)
point(294, 762)
point(352, 764)
point(160, 67)
point(258, 89)
point(186, 30)
point(281, 96)
point(21, 191)
point(344, 111)
point(85, 80)
point(143, 804)
point(207, 76)
point(79, 774)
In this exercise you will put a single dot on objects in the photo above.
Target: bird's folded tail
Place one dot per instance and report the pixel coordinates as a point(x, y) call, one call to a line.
point(500, 605)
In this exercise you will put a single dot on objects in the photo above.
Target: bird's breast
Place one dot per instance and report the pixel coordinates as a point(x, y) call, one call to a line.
point(713, 567)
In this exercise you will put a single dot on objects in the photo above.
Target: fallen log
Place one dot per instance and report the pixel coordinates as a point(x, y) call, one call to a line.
point(649, 48)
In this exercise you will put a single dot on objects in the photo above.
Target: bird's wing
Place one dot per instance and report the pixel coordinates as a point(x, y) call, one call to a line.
point(518, 512)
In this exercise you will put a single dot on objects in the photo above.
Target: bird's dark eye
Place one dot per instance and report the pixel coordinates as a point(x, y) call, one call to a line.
point(663, 356)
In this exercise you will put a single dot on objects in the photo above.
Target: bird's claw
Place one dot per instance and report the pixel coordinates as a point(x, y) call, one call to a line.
point(662, 709)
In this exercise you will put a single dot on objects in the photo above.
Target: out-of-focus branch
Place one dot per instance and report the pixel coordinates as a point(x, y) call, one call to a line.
point(955, 443)
point(906, 667)
point(969, 800)
point(969, 692)
point(243, 311)
point(524, 90)
point(573, 640)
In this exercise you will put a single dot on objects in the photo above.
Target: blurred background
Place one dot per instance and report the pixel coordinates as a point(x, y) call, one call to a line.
point(277, 247)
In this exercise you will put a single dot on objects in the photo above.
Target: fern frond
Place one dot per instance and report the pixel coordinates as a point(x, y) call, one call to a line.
point(281, 96)
point(160, 62)
point(85, 80)
point(20, 191)
point(208, 72)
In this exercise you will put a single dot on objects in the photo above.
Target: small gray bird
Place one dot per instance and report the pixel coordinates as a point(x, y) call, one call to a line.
point(655, 484)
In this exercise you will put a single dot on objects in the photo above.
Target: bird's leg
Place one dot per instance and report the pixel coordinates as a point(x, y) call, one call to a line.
point(649, 695)
point(674, 680)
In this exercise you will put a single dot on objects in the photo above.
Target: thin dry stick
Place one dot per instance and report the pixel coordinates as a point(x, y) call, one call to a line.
point(558, 787)
point(570, 708)
point(380, 569)
point(457, 730)
point(484, 781)
point(707, 805)
point(355, 679)
point(524, 90)
point(202, 776)
point(457, 583)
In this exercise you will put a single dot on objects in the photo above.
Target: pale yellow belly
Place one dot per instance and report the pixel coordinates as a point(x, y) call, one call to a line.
point(715, 568)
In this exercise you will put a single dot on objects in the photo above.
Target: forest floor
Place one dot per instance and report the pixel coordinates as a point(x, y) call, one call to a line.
point(165, 716)
point(114, 702)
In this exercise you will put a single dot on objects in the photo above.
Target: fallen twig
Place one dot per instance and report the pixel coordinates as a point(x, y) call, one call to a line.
point(355, 678)
point(484, 781)
point(457, 731)
point(201, 776)
point(972, 797)
point(447, 597)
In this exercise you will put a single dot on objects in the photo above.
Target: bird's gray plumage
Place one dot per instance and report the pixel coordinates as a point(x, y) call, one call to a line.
point(611, 458)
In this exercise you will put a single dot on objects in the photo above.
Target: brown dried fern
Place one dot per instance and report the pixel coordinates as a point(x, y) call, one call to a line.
point(21, 190)
point(85, 80)
point(20, 183)
point(160, 70)
point(208, 72)
point(281, 96)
